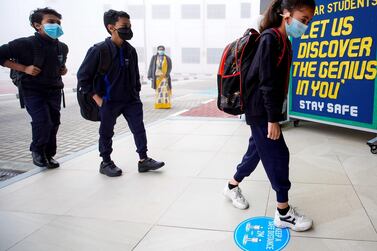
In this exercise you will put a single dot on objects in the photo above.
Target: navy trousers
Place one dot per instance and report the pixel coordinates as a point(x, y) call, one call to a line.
point(44, 110)
point(133, 113)
point(274, 155)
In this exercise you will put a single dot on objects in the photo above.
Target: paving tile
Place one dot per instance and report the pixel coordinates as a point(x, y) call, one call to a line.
point(170, 238)
point(335, 209)
point(314, 244)
point(324, 169)
point(218, 128)
point(235, 144)
point(199, 143)
point(203, 206)
point(17, 226)
point(184, 163)
point(224, 166)
point(73, 233)
point(54, 192)
point(174, 127)
point(362, 170)
point(368, 197)
point(133, 197)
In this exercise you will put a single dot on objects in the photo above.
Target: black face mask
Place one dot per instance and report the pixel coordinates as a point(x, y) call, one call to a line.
point(125, 33)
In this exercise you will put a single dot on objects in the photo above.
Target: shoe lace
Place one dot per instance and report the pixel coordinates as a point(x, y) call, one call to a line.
point(148, 160)
point(296, 214)
point(239, 195)
point(112, 165)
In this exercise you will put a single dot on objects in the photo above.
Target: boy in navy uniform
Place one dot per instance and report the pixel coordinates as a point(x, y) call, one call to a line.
point(39, 63)
point(117, 92)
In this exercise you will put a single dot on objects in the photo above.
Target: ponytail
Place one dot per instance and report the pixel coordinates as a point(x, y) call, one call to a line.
point(272, 16)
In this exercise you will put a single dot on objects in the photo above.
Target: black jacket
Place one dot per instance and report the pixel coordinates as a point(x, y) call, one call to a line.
point(152, 70)
point(267, 81)
point(22, 51)
point(121, 83)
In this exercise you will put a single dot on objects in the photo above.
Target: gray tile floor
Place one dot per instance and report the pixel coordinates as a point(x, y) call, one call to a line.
point(15, 130)
point(181, 207)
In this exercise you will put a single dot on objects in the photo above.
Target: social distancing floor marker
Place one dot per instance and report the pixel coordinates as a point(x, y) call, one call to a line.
point(259, 234)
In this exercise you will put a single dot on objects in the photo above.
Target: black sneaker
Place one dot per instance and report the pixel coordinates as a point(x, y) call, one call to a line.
point(39, 159)
point(149, 164)
point(51, 163)
point(110, 169)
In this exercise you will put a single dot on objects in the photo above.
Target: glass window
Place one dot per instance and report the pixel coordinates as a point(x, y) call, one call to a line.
point(214, 55)
point(264, 5)
point(245, 10)
point(191, 55)
point(190, 11)
point(216, 11)
point(161, 11)
point(136, 11)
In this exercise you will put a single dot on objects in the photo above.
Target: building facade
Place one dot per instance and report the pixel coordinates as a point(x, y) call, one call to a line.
point(195, 32)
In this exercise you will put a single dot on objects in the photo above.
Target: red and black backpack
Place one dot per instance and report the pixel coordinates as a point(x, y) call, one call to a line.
point(234, 65)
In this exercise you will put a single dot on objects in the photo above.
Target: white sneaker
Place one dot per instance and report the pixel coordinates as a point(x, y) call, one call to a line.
point(292, 220)
point(235, 195)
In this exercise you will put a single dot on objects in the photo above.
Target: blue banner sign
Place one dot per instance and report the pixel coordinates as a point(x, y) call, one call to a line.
point(334, 66)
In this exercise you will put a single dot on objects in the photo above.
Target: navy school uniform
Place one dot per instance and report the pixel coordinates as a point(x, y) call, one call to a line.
point(41, 93)
point(119, 88)
point(268, 84)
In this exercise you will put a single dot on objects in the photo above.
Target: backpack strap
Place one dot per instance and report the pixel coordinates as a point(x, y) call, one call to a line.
point(104, 58)
point(38, 53)
point(286, 85)
point(62, 57)
point(38, 59)
point(62, 53)
point(281, 56)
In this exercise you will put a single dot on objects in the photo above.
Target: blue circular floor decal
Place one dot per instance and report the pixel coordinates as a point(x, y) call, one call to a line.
point(259, 233)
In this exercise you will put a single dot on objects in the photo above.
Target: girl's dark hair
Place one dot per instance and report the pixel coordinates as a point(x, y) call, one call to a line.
point(112, 16)
point(272, 16)
point(36, 16)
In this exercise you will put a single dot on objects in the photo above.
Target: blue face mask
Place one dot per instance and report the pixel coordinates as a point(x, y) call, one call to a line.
point(296, 29)
point(161, 53)
point(53, 30)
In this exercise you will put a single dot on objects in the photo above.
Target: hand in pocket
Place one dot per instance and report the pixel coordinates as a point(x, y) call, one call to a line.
point(98, 100)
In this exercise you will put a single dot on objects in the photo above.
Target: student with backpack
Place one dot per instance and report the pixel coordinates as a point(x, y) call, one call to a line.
point(267, 85)
point(37, 64)
point(115, 87)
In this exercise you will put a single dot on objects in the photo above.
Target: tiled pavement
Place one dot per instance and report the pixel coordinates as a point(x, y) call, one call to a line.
point(209, 109)
point(75, 133)
point(181, 207)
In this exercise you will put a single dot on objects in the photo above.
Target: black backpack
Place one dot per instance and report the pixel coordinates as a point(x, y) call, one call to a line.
point(38, 60)
point(88, 107)
point(234, 65)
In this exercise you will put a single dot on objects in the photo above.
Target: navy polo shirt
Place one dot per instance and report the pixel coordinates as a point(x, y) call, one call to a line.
point(121, 83)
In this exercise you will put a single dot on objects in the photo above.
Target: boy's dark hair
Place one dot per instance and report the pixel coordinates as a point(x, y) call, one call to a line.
point(36, 16)
point(272, 16)
point(161, 47)
point(112, 16)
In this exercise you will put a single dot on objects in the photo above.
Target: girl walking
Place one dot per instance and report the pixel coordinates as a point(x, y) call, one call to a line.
point(267, 82)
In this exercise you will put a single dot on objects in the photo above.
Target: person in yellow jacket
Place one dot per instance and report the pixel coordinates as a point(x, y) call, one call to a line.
point(159, 72)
